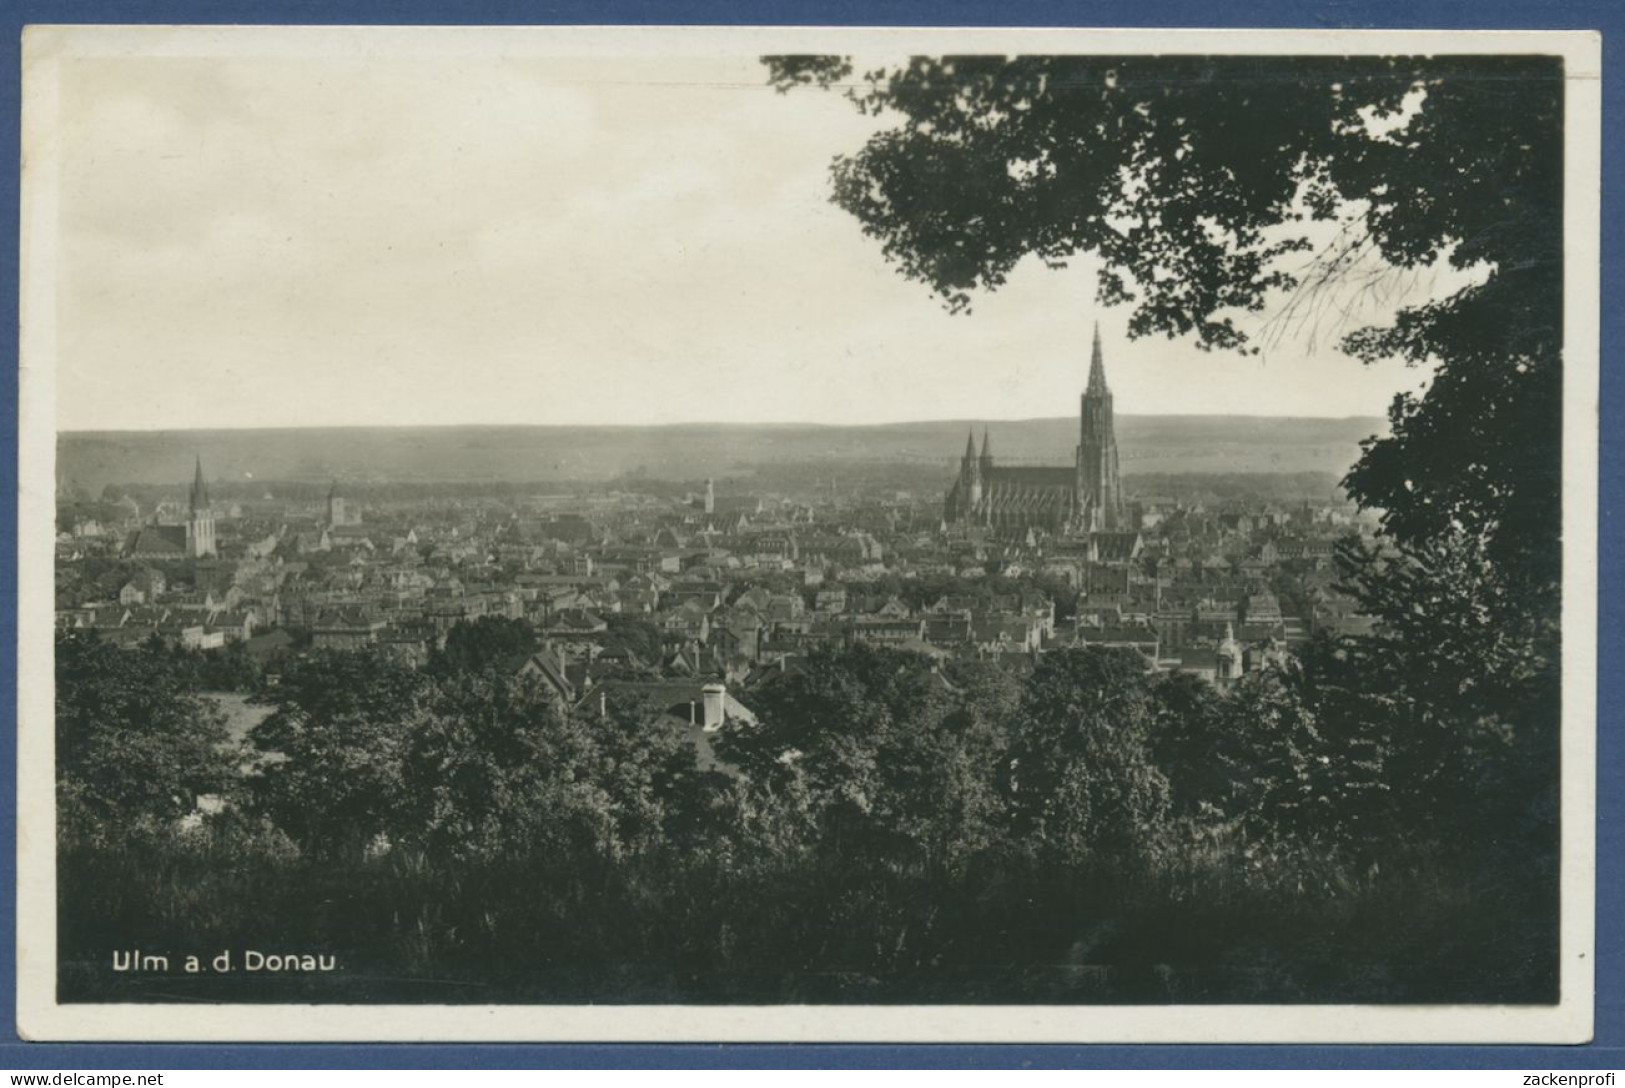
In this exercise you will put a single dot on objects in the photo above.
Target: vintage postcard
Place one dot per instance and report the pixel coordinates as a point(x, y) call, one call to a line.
point(846, 534)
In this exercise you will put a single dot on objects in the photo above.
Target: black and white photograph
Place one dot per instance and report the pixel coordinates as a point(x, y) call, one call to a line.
point(719, 533)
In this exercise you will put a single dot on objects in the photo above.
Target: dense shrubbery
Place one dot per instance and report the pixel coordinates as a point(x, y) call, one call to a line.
point(135, 746)
point(1088, 833)
point(485, 643)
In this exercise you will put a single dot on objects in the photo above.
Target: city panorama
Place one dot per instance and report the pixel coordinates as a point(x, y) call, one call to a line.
point(1069, 531)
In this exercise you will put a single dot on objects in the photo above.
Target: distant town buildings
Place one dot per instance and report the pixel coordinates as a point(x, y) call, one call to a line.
point(722, 582)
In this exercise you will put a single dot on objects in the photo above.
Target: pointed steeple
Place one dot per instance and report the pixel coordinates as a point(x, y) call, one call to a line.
point(1097, 366)
point(200, 490)
point(987, 446)
point(970, 444)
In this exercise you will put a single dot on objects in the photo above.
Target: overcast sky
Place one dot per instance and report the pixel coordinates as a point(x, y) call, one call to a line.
point(329, 241)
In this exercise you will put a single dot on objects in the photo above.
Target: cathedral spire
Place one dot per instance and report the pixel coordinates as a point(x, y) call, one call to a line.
point(200, 522)
point(987, 447)
point(1097, 366)
point(200, 490)
point(970, 444)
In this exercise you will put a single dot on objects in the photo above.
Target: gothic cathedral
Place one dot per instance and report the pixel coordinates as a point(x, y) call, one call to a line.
point(1084, 497)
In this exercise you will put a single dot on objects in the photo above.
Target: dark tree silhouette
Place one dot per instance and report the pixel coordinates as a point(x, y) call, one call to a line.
point(1081, 774)
point(1198, 183)
point(1194, 179)
point(134, 745)
point(485, 643)
point(635, 634)
point(1212, 187)
point(336, 741)
point(493, 767)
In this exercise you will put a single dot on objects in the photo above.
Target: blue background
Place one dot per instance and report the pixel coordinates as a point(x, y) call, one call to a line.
point(1605, 15)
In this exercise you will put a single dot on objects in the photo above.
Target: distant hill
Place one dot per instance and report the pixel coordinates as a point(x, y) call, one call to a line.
point(1146, 444)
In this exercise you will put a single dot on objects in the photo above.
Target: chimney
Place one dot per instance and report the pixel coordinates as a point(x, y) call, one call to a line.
point(713, 696)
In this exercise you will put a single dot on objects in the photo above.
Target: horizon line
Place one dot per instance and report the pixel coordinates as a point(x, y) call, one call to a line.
point(810, 424)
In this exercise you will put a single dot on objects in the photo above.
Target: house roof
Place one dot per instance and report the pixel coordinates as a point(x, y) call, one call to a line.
point(1199, 657)
point(578, 619)
point(1119, 635)
point(160, 540)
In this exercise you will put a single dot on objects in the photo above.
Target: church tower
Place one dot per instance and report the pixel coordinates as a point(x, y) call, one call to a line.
point(335, 506)
point(1100, 493)
point(199, 518)
point(970, 475)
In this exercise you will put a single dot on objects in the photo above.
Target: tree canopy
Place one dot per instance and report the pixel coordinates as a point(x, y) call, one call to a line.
point(889, 819)
point(1225, 198)
point(1193, 179)
point(135, 746)
point(484, 643)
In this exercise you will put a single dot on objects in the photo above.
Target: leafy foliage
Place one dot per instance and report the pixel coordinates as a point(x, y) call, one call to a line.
point(1374, 821)
point(881, 751)
point(1192, 178)
point(1081, 773)
point(634, 634)
point(495, 767)
point(230, 668)
point(1211, 187)
point(135, 747)
point(492, 768)
point(1461, 689)
point(886, 820)
point(484, 643)
point(337, 739)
